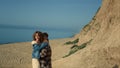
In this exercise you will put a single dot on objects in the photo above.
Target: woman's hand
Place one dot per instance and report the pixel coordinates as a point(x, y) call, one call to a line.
point(33, 42)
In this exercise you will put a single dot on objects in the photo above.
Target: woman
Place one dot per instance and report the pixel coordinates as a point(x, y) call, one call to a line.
point(38, 44)
point(45, 54)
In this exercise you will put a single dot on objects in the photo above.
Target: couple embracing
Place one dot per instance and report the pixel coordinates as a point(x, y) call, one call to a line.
point(41, 54)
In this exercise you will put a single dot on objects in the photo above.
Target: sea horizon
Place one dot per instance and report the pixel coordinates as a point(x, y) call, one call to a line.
point(15, 34)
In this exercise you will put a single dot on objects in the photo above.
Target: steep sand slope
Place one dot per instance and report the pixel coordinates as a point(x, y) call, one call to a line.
point(104, 31)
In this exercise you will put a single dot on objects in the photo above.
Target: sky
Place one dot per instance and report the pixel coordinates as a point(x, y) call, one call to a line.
point(63, 14)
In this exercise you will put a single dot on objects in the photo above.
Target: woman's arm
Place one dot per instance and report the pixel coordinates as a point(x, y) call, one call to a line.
point(39, 47)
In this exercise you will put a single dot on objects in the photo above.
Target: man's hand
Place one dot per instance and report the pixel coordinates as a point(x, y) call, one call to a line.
point(45, 41)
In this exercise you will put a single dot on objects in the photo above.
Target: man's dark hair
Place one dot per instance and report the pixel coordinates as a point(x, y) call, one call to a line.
point(45, 34)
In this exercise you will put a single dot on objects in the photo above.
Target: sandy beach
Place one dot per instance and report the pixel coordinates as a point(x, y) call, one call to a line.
point(18, 55)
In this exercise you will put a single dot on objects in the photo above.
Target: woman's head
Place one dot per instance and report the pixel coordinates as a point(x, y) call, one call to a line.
point(38, 36)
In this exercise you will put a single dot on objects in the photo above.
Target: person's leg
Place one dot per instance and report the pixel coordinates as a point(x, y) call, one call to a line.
point(35, 63)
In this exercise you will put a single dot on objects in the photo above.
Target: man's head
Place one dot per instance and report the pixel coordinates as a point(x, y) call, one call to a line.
point(45, 36)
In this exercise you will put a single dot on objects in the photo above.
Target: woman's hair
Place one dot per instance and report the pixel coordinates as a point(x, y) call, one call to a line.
point(40, 35)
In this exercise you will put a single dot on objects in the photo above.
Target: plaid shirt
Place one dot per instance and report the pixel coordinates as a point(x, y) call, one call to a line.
point(45, 57)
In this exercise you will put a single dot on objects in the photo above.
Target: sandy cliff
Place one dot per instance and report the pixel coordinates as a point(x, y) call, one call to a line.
point(104, 49)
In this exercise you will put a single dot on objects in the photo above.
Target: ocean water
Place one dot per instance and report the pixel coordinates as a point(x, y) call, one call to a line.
point(12, 35)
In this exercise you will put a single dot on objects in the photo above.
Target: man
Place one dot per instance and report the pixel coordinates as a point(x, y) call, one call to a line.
point(45, 53)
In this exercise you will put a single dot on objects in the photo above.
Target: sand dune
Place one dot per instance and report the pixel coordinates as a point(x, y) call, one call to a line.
point(104, 49)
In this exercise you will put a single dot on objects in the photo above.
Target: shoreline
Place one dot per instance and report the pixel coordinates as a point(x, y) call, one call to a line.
point(31, 40)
